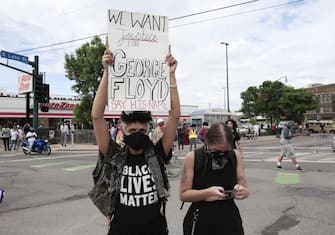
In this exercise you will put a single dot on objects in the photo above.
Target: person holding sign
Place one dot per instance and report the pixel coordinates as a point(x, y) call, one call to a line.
point(139, 179)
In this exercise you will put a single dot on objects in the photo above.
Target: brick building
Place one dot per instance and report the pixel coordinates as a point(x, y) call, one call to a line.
point(325, 96)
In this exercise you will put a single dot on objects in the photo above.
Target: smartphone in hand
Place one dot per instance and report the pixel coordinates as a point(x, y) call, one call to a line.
point(230, 193)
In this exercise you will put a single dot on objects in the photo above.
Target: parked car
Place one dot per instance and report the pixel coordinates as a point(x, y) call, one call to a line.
point(281, 124)
point(242, 130)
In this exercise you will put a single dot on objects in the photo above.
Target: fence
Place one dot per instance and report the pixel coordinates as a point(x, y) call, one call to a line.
point(79, 136)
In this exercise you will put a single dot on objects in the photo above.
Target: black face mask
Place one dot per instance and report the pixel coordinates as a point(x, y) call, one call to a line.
point(137, 140)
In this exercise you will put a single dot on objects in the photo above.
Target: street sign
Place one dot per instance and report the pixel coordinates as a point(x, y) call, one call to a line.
point(13, 56)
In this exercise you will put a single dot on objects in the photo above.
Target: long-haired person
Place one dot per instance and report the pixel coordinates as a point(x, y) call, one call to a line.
point(212, 179)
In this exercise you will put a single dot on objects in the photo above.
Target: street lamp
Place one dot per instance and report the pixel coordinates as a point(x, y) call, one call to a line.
point(224, 98)
point(226, 44)
point(278, 113)
point(282, 78)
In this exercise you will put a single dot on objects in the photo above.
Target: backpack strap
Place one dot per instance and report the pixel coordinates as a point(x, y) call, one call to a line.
point(199, 161)
point(198, 168)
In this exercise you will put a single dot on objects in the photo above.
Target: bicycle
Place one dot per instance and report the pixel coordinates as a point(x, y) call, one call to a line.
point(174, 166)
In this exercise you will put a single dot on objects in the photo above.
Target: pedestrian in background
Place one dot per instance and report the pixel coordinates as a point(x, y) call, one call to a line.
point(180, 136)
point(286, 146)
point(64, 132)
point(231, 123)
point(19, 137)
point(159, 130)
point(31, 137)
point(5, 135)
point(212, 177)
point(119, 133)
point(193, 136)
point(13, 138)
point(203, 131)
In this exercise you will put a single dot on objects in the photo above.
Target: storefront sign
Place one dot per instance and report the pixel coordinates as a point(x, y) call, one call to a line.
point(25, 83)
point(62, 105)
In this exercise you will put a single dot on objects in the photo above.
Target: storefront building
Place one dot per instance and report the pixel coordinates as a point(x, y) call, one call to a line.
point(13, 111)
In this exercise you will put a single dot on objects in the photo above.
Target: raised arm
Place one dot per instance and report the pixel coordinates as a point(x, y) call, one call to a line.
point(100, 100)
point(172, 122)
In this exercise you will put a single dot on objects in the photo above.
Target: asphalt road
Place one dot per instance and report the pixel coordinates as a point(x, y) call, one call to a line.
point(48, 194)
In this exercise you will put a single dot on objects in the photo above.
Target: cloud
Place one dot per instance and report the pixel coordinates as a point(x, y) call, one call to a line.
point(265, 42)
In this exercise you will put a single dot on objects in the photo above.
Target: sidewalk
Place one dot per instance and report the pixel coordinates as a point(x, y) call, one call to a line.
point(74, 147)
point(94, 147)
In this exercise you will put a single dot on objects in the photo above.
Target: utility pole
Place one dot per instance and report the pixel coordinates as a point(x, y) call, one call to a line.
point(226, 44)
point(35, 105)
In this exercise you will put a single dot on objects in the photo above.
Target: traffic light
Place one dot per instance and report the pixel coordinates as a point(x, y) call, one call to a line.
point(45, 93)
point(38, 88)
point(45, 97)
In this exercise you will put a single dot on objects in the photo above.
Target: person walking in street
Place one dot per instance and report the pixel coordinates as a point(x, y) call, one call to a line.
point(212, 177)
point(64, 132)
point(138, 179)
point(286, 146)
point(231, 123)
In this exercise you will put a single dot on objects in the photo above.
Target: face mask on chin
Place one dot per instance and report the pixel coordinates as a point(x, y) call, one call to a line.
point(137, 140)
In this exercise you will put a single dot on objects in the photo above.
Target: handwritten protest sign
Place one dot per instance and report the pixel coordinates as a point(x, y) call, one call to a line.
point(139, 78)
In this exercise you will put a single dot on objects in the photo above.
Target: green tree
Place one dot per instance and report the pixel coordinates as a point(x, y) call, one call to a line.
point(276, 100)
point(249, 104)
point(269, 102)
point(295, 102)
point(85, 68)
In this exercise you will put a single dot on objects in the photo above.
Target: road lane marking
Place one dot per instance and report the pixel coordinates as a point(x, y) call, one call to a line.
point(275, 160)
point(49, 158)
point(80, 167)
point(49, 164)
point(287, 178)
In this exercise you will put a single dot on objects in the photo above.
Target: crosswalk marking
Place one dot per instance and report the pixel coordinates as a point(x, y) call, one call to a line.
point(80, 167)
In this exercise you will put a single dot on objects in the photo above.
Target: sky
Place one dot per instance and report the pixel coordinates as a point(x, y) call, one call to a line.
point(268, 40)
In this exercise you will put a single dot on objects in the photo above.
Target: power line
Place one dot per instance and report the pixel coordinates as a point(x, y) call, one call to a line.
point(61, 43)
point(216, 9)
point(171, 19)
point(176, 18)
point(236, 14)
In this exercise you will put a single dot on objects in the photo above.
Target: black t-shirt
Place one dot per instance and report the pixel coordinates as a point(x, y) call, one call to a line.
point(138, 203)
point(236, 138)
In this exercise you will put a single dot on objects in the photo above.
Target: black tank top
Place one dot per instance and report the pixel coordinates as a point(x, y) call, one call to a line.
point(217, 217)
